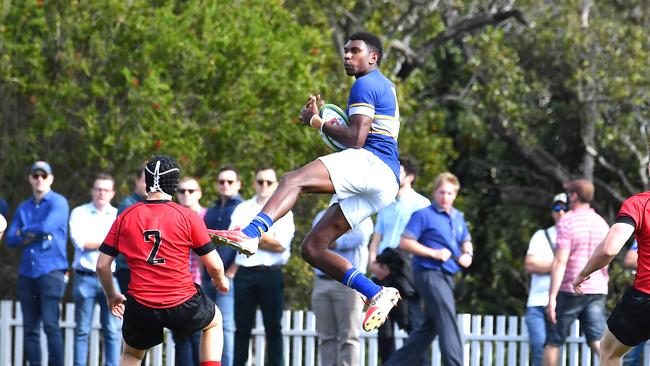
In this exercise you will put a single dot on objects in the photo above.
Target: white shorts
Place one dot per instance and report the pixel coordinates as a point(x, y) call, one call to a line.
point(363, 183)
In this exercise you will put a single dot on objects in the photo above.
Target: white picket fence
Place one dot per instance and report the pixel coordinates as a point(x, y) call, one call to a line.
point(489, 341)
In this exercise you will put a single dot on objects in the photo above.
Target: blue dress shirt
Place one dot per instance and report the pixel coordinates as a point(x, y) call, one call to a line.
point(435, 228)
point(48, 222)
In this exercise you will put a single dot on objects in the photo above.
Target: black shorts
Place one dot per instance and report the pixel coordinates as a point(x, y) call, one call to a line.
point(630, 320)
point(143, 326)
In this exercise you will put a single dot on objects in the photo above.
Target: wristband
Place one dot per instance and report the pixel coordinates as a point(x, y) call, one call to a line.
point(311, 120)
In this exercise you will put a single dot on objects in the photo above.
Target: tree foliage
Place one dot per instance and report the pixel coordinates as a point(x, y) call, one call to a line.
point(103, 85)
point(514, 97)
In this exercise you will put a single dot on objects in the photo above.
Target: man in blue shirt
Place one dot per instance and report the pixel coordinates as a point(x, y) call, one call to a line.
point(40, 229)
point(439, 240)
point(391, 221)
point(218, 218)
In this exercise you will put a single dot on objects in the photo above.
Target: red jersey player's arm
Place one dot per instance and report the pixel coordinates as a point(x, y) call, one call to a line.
point(214, 266)
point(618, 234)
point(105, 274)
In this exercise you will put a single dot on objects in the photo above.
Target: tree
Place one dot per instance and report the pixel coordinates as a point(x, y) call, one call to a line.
point(103, 85)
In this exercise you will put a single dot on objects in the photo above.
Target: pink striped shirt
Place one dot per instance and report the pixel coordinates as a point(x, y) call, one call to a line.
point(580, 231)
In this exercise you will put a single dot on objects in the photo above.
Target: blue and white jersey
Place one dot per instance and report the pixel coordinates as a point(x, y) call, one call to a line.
point(373, 95)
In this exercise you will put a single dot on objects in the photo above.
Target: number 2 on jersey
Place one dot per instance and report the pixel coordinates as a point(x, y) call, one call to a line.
point(154, 236)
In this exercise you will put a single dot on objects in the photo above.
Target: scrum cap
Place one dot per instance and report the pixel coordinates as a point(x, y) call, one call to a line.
point(162, 174)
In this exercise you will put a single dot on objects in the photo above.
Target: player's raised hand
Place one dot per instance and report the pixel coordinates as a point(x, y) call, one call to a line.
point(222, 283)
point(116, 304)
point(310, 109)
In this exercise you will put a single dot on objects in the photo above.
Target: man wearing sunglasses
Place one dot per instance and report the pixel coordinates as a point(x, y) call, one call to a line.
point(40, 229)
point(541, 251)
point(578, 235)
point(218, 218)
point(259, 280)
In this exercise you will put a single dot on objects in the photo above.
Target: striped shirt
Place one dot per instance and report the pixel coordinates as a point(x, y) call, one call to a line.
point(580, 231)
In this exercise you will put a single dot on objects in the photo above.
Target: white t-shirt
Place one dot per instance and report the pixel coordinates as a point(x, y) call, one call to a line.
point(282, 230)
point(540, 284)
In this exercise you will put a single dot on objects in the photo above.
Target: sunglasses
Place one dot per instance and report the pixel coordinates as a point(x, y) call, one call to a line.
point(224, 181)
point(559, 207)
point(36, 176)
point(190, 191)
point(263, 182)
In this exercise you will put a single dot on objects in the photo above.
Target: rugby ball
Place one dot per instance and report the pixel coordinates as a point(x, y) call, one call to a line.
point(331, 112)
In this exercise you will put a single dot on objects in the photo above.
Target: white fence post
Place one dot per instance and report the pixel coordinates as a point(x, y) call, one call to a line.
point(488, 340)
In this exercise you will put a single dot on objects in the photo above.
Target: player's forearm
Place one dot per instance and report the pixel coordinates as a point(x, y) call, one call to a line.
point(213, 264)
point(557, 274)
point(105, 274)
point(414, 247)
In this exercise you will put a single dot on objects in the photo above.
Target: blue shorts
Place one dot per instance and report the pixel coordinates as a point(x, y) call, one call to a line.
point(590, 309)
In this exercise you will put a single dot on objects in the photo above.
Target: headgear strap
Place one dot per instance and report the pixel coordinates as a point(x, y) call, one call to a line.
point(155, 187)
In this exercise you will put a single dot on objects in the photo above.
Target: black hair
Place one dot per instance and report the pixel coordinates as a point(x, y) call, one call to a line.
point(162, 174)
point(228, 168)
point(263, 167)
point(410, 166)
point(372, 41)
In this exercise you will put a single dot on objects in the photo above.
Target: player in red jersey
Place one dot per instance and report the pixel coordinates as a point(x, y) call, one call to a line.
point(629, 323)
point(155, 237)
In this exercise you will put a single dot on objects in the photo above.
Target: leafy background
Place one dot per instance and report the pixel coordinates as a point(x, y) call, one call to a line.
point(514, 97)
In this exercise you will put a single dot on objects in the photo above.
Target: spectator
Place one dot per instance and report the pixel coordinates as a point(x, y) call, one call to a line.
point(259, 279)
point(633, 357)
point(218, 218)
point(539, 258)
point(89, 224)
point(40, 229)
point(440, 242)
point(337, 308)
point(578, 234)
point(155, 237)
point(139, 194)
point(391, 221)
point(187, 348)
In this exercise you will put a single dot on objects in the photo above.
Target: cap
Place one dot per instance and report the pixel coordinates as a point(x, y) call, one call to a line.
point(560, 197)
point(41, 165)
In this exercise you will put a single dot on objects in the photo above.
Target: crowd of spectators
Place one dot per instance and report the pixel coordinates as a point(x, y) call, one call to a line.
point(415, 245)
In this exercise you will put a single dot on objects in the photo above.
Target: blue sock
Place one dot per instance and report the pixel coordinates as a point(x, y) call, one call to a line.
point(260, 224)
point(358, 281)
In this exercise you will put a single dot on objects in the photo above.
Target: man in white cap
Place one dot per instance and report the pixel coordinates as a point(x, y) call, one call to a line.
point(541, 251)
